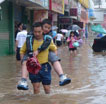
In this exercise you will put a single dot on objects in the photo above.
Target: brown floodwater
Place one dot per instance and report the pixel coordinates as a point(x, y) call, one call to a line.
point(87, 71)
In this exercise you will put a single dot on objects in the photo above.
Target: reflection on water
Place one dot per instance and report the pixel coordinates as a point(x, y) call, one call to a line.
point(87, 71)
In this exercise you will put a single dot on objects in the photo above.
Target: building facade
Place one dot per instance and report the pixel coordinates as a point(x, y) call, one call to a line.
point(11, 13)
point(100, 12)
point(56, 7)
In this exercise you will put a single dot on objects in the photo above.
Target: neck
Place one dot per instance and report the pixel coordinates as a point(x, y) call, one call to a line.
point(39, 39)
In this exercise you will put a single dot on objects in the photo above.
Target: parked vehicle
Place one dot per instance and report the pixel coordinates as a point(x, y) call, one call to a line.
point(99, 44)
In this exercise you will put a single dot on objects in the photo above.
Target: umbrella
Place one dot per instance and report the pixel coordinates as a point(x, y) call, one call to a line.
point(54, 27)
point(74, 27)
point(98, 29)
point(64, 30)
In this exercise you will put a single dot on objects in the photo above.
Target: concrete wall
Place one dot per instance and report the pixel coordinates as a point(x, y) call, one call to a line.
point(99, 14)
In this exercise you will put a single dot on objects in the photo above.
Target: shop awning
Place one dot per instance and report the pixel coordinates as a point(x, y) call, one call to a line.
point(31, 4)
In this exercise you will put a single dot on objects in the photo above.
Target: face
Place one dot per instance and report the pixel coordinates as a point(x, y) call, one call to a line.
point(72, 34)
point(46, 28)
point(38, 33)
point(20, 27)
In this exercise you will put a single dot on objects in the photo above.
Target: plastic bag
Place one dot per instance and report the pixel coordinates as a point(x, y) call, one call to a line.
point(76, 44)
point(33, 66)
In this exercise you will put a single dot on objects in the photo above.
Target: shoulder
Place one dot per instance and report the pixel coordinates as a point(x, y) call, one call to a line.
point(57, 34)
point(29, 36)
point(18, 34)
point(24, 31)
point(61, 34)
point(47, 37)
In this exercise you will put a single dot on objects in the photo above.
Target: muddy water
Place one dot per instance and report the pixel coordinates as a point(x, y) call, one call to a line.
point(87, 71)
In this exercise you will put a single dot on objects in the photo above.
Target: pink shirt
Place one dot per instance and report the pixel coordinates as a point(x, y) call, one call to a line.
point(73, 39)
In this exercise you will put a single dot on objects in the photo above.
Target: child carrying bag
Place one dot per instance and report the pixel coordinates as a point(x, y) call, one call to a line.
point(76, 44)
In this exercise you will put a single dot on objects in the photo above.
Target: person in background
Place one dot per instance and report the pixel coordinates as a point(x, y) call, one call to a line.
point(71, 39)
point(64, 38)
point(20, 39)
point(59, 38)
point(100, 35)
point(54, 32)
point(19, 29)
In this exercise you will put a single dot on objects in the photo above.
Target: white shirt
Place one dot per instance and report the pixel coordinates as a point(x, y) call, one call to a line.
point(21, 38)
point(59, 37)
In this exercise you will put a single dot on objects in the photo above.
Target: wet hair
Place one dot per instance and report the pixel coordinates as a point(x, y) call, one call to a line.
point(72, 32)
point(24, 27)
point(19, 24)
point(46, 21)
point(37, 24)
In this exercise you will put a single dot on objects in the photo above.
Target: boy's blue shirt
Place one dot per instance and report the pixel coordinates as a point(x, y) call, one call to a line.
point(47, 40)
point(54, 33)
point(47, 36)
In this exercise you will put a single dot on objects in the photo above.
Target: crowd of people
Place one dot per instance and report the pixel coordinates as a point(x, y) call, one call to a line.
point(41, 43)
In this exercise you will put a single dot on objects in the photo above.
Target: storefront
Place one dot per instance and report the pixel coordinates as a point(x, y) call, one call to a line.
point(4, 29)
point(12, 11)
point(85, 3)
point(84, 16)
point(84, 19)
point(41, 13)
point(56, 7)
point(64, 22)
point(104, 22)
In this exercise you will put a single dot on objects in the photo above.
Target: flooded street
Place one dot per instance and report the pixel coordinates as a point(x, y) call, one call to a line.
point(87, 71)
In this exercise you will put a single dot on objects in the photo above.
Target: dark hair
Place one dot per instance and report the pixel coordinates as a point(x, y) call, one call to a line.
point(72, 32)
point(46, 21)
point(19, 24)
point(24, 27)
point(37, 24)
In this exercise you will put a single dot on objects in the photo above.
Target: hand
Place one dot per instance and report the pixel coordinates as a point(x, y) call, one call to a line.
point(35, 53)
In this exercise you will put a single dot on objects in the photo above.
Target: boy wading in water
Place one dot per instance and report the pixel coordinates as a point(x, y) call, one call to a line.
point(53, 58)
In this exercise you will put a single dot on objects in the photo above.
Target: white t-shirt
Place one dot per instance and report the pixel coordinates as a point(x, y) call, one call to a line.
point(59, 37)
point(21, 38)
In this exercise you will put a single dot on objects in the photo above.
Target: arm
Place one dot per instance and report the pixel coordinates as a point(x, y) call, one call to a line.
point(16, 42)
point(61, 37)
point(46, 43)
point(23, 51)
point(68, 40)
point(16, 45)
